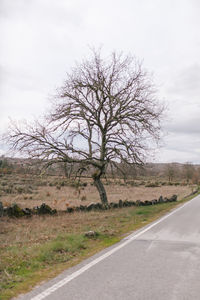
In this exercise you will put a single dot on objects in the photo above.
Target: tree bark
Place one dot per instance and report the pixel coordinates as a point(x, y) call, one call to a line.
point(101, 190)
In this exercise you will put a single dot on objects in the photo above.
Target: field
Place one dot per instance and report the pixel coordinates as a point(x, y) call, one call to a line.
point(38, 248)
point(59, 193)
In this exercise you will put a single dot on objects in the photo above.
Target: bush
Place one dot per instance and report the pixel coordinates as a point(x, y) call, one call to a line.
point(24, 189)
point(20, 189)
point(8, 190)
point(142, 183)
point(131, 183)
point(15, 211)
point(45, 209)
point(107, 182)
point(152, 184)
point(164, 183)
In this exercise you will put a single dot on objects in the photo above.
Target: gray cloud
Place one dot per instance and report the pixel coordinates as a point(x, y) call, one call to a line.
point(41, 40)
point(187, 83)
point(182, 127)
point(181, 148)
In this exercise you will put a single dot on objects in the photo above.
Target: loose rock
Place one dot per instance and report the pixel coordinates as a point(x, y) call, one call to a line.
point(1, 209)
point(91, 234)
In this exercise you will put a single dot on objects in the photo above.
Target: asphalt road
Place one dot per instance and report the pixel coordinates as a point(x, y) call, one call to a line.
point(161, 261)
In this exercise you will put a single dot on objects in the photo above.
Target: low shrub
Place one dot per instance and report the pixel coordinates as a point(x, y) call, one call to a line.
point(152, 184)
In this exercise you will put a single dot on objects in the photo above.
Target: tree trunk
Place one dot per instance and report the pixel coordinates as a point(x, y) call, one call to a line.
point(101, 190)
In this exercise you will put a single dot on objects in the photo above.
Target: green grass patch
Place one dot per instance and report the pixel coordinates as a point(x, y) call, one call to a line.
point(18, 263)
point(60, 249)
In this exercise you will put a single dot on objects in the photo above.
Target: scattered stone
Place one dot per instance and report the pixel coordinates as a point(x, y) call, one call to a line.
point(138, 203)
point(35, 209)
point(114, 205)
point(45, 209)
point(125, 203)
point(91, 234)
point(82, 207)
point(147, 202)
point(27, 211)
point(105, 206)
point(98, 205)
point(14, 211)
point(173, 198)
point(1, 209)
point(70, 209)
point(193, 193)
point(120, 203)
point(91, 206)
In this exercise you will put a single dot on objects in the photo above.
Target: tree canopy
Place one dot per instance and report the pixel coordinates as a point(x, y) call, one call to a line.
point(105, 113)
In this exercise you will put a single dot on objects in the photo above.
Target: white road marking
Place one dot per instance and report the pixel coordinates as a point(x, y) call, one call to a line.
point(67, 279)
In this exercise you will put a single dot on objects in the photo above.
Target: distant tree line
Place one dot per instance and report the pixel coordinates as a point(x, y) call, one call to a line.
point(170, 172)
point(5, 166)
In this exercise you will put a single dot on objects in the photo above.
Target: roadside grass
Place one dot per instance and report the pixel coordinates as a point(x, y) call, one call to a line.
point(39, 248)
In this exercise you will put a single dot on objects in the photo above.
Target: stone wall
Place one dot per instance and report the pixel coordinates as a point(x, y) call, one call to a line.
point(15, 211)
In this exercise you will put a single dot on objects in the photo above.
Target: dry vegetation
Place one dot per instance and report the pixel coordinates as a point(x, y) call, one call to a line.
point(56, 191)
point(37, 248)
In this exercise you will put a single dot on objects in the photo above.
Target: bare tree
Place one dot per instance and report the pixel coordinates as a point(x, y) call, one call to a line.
point(106, 112)
point(170, 171)
point(67, 169)
point(188, 171)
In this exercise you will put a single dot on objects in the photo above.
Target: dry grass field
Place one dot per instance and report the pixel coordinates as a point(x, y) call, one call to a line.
point(30, 191)
point(37, 248)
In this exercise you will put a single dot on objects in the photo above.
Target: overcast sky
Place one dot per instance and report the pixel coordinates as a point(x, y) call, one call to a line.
point(41, 40)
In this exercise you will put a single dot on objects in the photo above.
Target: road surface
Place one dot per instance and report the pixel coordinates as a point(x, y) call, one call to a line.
point(159, 262)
